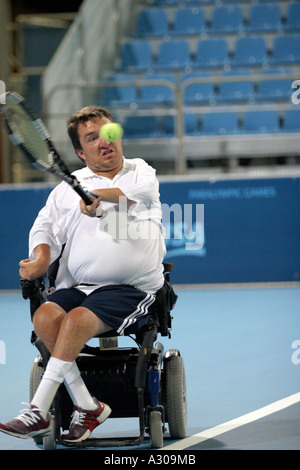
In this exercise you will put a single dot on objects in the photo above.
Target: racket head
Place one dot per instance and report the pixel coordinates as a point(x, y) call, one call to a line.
point(26, 130)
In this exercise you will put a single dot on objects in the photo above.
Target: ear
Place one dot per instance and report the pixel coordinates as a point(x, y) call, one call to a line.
point(81, 154)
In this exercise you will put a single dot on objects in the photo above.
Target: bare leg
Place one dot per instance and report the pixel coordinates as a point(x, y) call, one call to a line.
point(76, 329)
point(65, 334)
point(46, 321)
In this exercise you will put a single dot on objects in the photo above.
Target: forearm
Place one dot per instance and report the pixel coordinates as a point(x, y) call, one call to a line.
point(42, 255)
point(111, 195)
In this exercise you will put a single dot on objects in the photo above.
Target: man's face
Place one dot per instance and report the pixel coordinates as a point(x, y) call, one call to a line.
point(100, 156)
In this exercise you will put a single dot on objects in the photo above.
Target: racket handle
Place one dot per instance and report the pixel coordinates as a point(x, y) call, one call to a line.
point(81, 192)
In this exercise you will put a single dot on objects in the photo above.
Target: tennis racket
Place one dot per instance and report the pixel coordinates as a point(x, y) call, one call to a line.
point(28, 132)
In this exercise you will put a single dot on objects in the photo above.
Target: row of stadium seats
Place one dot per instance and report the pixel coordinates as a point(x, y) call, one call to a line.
point(175, 54)
point(275, 89)
point(224, 19)
point(203, 2)
point(214, 123)
point(244, 58)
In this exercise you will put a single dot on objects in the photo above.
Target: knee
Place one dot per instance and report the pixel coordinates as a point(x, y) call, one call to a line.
point(81, 322)
point(74, 321)
point(47, 315)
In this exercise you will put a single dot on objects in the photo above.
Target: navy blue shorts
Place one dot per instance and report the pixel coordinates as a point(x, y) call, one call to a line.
point(124, 308)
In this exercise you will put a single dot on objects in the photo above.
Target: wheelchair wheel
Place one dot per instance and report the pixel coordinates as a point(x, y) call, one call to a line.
point(36, 373)
point(156, 429)
point(176, 402)
point(49, 441)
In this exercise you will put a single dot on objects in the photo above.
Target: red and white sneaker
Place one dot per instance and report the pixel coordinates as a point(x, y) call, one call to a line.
point(28, 423)
point(85, 421)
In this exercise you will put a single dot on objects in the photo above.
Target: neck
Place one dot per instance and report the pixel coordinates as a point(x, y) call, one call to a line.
point(109, 173)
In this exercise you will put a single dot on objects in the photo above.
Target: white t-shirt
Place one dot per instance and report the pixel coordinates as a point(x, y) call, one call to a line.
point(124, 246)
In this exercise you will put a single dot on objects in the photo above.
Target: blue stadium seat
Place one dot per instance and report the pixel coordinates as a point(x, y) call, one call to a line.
point(236, 91)
point(265, 17)
point(141, 127)
point(173, 54)
point(212, 52)
point(189, 21)
point(291, 121)
point(191, 124)
point(235, 1)
point(122, 95)
point(286, 49)
point(152, 22)
point(167, 128)
point(260, 122)
point(293, 17)
point(136, 55)
point(198, 92)
point(156, 94)
point(250, 50)
point(227, 19)
point(274, 89)
point(221, 123)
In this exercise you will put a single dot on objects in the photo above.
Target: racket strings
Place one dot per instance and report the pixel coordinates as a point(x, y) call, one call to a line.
point(24, 130)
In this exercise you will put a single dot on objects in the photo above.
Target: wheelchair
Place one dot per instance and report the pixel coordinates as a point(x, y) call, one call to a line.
point(142, 381)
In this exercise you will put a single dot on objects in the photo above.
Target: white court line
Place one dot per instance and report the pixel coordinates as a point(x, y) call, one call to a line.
point(234, 423)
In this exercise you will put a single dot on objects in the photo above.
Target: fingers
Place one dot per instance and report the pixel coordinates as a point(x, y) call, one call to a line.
point(31, 269)
point(92, 209)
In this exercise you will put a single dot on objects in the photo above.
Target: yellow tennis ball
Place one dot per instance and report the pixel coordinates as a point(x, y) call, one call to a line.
point(110, 132)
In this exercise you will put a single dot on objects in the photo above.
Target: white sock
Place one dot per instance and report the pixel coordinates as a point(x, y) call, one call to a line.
point(77, 389)
point(51, 380)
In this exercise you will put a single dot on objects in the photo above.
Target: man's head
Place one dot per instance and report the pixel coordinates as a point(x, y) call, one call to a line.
point(89, 113)
point(100, 156)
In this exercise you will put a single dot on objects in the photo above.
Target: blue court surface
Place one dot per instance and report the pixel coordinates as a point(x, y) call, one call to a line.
point(241, 349)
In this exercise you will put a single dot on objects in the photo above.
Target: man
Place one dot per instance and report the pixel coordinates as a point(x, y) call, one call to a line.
point(110, 268)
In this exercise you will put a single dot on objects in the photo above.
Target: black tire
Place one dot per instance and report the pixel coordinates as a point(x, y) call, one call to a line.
point(36, 373)
point(48, 441)
point(176, 397)
point(156, 429)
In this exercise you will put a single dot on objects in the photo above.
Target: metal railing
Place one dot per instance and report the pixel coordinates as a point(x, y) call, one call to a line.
point(90, 93)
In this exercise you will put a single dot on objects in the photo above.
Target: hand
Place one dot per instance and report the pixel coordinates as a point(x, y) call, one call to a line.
point(92, 210)
point(31, 270)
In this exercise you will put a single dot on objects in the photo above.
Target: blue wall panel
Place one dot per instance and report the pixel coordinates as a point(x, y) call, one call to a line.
point(18, 209)
point(251, 230)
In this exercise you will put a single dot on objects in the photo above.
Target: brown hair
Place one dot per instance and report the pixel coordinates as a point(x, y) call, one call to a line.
point(89, 113)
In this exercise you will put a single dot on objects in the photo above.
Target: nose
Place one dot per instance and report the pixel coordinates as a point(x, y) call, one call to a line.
point(103, 142)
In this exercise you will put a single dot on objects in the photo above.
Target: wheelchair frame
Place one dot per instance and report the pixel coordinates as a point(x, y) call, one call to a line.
point(152, 382)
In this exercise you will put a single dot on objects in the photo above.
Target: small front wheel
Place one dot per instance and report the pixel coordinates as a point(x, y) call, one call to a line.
point(156, 429)
point(49, 441)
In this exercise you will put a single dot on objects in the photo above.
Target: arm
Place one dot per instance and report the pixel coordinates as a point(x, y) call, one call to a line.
point(49, 231)
point(143, 189)
point(107, 194)
point(32, 269)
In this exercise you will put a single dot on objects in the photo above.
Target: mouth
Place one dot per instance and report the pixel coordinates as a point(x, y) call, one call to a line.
point(107, 153)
